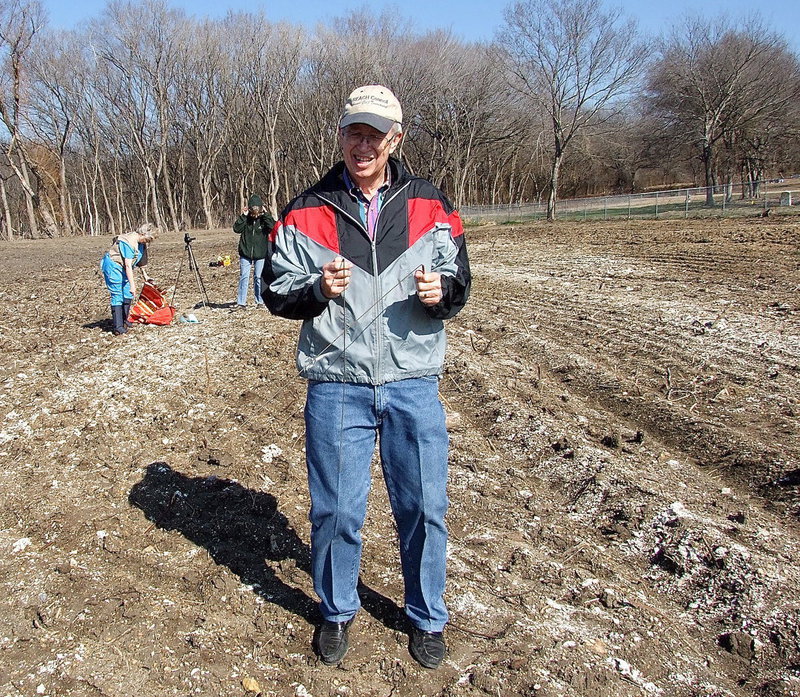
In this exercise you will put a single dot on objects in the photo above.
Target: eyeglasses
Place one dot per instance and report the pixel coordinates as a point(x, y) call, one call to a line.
point(355, 138)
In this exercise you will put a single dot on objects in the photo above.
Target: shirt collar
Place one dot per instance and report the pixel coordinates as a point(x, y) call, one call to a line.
point(355, 191)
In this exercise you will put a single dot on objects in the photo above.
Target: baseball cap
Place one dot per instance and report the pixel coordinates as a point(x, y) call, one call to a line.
point(374, 105)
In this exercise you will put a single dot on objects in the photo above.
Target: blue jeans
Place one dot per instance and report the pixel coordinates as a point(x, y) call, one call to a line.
point(245, 265)
point(116, 281)
point(343, 421)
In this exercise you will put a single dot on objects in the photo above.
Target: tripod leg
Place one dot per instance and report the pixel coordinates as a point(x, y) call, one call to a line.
point(198, 278)
point(177, 278)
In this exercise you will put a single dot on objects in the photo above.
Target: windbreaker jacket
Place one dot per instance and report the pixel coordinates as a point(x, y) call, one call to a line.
point(377, 331)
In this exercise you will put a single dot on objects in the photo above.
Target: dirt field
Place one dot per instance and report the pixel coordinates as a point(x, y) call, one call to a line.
point(625, 478)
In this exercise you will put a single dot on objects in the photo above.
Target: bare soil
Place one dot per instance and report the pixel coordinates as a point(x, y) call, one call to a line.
point(625, 478)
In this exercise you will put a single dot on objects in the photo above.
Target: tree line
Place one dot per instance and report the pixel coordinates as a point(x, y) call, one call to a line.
point(147, 113)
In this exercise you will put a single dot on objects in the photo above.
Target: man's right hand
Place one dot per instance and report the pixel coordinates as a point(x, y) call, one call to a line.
point(335, 277)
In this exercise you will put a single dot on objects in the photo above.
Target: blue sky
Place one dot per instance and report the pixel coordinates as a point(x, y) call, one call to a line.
point(469, 19)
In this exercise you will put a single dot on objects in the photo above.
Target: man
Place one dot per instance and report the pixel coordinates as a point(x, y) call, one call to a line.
point(373, 259)
point(253, 227)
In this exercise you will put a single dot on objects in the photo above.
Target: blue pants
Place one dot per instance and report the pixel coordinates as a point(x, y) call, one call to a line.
point(245, 265)
point(116, 281)
point(343, 421)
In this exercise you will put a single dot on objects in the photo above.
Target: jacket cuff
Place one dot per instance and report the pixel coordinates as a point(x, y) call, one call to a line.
point(318, 294)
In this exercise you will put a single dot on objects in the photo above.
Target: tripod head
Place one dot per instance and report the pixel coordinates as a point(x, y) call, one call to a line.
point(187, 239)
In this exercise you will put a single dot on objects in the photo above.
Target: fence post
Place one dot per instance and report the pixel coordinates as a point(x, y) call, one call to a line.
point(656, 205)
point(686, 206)
point(629, 206)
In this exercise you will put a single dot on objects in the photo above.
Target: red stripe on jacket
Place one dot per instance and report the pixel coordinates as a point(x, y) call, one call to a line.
point(318, 224)
point(424, 213)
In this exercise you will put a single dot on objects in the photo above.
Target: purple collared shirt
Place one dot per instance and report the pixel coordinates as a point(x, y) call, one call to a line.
point(368, 208)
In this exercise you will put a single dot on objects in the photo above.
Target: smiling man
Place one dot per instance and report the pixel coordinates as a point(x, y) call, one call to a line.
point(373, 259)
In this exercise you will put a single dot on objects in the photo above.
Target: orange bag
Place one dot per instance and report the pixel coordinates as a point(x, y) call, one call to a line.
point(152, 307)
point(163, 316)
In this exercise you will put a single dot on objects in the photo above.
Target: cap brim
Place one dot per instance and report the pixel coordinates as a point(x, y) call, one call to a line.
point(380, 123)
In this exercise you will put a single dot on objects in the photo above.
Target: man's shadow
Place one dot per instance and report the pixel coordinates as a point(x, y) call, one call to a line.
point(241, 528)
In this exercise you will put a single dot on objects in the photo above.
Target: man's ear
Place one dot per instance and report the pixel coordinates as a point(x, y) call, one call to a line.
point(395, 142)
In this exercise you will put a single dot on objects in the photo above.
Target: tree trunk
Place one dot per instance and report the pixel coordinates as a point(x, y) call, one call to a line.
point(6, 211)
point(551, 194)
point(709, 169)
point(164, 176)
point(29, 205)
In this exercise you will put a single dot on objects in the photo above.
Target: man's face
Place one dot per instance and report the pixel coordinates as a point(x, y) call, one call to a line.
point(255, 211)
point(366, 151)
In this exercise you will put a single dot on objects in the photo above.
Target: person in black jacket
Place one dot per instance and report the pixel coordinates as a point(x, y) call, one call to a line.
point(253, 227)
point(373, 260)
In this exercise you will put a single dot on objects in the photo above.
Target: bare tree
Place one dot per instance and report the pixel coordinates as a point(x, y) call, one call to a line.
point(575, 62)
point(712, 80)
point(20, 21)
point(148, 112)
point(206, 94)
point(138, 46)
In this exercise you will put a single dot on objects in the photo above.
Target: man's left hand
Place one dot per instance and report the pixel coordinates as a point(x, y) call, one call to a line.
point(429, 287)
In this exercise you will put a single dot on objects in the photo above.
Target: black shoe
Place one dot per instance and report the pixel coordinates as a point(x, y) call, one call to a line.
point(332, 641)
point(427, 648)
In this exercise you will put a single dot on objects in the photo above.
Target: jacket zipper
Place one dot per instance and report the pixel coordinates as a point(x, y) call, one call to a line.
point(375, 280)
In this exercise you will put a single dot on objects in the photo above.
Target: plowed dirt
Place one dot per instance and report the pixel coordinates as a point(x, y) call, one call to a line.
point(625, 477)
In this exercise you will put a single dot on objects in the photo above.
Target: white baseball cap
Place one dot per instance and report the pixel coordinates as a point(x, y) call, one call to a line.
point(374, 105)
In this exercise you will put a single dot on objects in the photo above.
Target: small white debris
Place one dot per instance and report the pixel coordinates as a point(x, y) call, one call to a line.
point(634, 675)
point(269, 453)
point(679, 509)
point(21, 544)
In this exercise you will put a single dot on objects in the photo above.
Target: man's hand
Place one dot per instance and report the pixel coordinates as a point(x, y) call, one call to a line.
point(335, 277)
point(429, 287)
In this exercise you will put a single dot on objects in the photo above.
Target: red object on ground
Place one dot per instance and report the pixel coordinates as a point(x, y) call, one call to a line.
point(152, 307)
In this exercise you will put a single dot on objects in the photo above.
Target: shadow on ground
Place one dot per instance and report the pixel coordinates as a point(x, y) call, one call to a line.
point(241, 528)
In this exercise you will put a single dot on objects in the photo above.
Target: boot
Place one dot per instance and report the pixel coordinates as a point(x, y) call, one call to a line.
point(126, 311)
point(118, 319)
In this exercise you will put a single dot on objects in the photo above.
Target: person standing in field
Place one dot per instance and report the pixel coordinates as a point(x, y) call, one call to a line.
point(253, 227)
point(127, 251)
point(372, 259)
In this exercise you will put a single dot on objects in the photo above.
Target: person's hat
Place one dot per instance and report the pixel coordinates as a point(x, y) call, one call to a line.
point(253, 201)
point(374, 105)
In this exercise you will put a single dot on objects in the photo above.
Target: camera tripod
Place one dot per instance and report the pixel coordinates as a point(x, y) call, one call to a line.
point(187, 241)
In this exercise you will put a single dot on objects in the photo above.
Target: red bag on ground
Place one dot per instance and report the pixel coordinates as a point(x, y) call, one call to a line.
point(152, 307)
point(163, 316)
